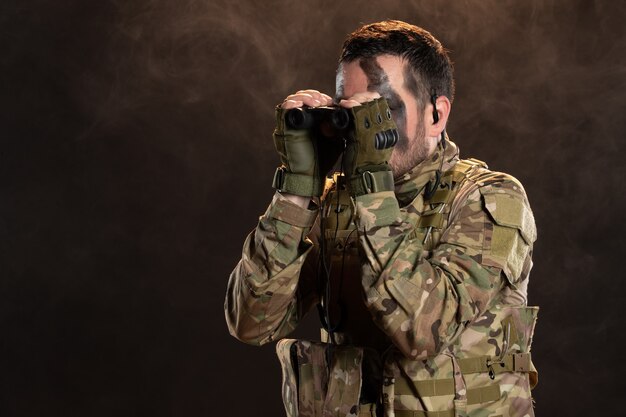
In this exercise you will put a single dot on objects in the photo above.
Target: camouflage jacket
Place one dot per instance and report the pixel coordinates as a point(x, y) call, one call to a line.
point(436, 285)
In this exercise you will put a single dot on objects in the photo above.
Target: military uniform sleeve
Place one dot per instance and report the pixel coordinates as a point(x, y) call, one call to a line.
point(264, 298)
point(423, 300)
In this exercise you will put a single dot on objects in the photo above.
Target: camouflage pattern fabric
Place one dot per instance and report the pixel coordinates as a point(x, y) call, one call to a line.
point(264, 300)
point(321, 390)
point(450, 298)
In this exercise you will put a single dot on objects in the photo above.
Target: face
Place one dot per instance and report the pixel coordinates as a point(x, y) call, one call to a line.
point(392, 78)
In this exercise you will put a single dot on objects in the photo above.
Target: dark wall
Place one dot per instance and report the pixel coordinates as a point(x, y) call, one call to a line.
point(136, 154)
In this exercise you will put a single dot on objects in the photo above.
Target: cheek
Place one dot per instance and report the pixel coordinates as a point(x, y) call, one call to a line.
point(399, 116)
point(411, 123)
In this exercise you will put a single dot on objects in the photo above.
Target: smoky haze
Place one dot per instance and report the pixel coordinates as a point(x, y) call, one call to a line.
point(136, 154)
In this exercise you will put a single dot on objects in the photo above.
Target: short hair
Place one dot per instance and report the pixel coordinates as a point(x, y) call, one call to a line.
point(426, 56)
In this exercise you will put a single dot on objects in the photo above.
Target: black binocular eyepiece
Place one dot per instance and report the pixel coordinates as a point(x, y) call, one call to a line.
point(329, 120)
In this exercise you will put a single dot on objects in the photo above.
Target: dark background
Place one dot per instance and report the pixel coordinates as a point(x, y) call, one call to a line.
point(136, 155)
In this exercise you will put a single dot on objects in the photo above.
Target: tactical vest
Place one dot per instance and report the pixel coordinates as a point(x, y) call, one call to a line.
point(487, 372)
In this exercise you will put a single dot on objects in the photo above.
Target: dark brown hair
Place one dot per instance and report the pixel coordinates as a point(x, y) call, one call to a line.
point(427, 58)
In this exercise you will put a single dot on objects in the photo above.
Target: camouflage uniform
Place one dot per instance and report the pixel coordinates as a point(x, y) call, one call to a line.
point(434, 287)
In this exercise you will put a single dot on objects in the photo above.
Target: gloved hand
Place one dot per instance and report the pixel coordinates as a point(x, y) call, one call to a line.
point(368, 151)
point(306, 158)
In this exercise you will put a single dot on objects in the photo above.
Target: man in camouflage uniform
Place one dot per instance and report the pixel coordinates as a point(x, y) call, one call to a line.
point(418, 259)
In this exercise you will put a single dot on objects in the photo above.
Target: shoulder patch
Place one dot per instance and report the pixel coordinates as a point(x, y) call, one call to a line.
point(514, 228)
point(507, 205)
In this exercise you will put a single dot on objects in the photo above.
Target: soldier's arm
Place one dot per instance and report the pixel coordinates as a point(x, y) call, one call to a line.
point(424, 300)
point(268, 291)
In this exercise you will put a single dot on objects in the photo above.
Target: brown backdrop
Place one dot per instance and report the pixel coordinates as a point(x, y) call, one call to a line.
point(136, 154)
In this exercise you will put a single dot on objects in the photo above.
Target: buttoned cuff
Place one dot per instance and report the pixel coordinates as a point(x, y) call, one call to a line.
point(286, 211)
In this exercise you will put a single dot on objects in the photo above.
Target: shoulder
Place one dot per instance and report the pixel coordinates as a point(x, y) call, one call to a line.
point(504, 199)
point(509, 229)
point(477, 183)
point(479, 180)
point(493, 182)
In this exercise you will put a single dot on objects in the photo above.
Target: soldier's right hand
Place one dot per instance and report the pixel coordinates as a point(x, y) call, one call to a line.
point(305, 159)
point(311, 98)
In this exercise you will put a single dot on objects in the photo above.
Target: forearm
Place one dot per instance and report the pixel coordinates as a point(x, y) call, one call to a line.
point(262, 296)
point(421, 300)
point(300, 201)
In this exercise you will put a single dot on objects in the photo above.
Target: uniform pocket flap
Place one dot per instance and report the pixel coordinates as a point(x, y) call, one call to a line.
point(510, 211)
point(512, 233)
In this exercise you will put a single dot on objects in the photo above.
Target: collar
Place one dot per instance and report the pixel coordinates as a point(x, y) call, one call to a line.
point(411, 184)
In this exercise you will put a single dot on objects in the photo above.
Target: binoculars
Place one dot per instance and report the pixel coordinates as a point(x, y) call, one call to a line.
point(334, 122)
point(331, 122)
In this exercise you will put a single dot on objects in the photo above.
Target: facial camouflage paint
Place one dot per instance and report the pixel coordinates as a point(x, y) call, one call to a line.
point(378, 81)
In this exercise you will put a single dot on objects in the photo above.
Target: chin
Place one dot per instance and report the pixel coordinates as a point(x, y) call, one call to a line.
point(399, 168)
point(405, 163)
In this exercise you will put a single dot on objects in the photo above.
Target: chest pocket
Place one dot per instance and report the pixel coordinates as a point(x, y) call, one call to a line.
point(513, 233)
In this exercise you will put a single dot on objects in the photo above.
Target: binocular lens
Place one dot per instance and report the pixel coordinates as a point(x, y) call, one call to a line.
point(341, 119)
point(307, 117)
point(297, 119)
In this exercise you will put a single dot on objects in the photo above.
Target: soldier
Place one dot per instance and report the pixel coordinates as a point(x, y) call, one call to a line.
point(417, 260)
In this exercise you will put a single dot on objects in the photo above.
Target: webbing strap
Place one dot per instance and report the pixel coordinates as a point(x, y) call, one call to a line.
point(441, 196)
point(474, 396)
point(420, 413)
point(431, 220)
point(482, 164)
point(450, 182)
point(457, 174)
point(372, 182)
point(425, 388)
point(483, 394)
point(298, 184)
point(512, 362)
point(438, 387)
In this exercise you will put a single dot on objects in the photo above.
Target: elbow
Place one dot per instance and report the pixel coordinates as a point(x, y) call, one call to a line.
point(256, 332)
point(246, 330)
point(252, 330)
point(247, 337)
point(241, 324)
point(251, 321)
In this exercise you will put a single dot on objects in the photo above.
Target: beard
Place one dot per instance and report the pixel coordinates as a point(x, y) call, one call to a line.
point(410, 151)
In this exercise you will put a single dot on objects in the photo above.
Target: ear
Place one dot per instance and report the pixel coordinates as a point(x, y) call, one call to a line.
point(443, 111)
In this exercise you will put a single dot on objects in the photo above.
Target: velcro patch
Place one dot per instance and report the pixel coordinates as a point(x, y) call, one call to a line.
point(509, 210)
point(513, 234)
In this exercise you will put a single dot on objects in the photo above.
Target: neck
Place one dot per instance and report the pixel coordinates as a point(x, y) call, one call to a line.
point(412, 183)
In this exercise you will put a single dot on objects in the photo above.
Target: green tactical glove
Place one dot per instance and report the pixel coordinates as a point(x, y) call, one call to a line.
point(305, 157)
point(367, 154)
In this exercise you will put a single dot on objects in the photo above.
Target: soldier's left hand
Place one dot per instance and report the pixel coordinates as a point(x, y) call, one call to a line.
point(369, 148)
